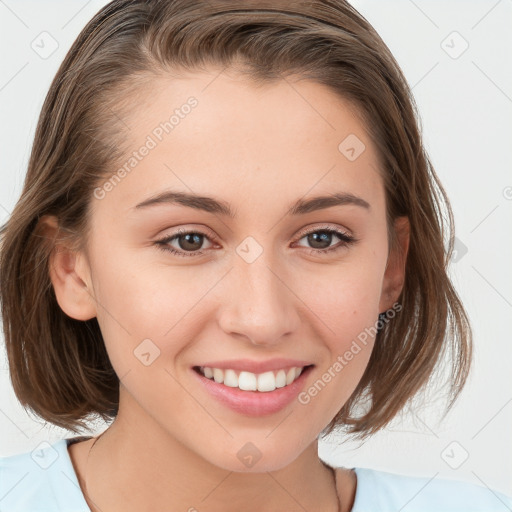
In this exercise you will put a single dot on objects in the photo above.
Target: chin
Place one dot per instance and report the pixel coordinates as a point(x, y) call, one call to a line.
point(250, 459)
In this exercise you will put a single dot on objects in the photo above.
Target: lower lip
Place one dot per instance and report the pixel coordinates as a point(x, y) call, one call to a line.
point(254, 403)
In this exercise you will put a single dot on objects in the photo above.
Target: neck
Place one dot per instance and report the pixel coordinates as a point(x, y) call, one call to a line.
point(164, 474)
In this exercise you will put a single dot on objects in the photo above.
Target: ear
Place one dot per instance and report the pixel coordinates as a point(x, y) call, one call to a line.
point(394, 275)
point(69, 273)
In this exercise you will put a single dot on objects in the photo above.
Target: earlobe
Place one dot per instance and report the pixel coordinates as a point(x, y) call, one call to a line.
point(394, 276)
point(68, 273)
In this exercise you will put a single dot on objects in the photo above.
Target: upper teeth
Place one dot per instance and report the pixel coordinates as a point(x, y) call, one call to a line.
point(248, 381)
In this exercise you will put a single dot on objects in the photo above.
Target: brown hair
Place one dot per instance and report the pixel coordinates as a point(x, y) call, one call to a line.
point(59, 366)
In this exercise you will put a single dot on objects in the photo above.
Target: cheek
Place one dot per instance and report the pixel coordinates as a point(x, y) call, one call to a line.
point(349, 312)
point(346, 296)
point(345, 302)
point(140, 300)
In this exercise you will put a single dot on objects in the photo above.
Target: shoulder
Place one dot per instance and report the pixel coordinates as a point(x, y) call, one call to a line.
point(41, 480)
point(389, 492)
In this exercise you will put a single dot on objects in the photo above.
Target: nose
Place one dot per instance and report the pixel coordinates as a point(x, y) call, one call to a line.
point(258, 303)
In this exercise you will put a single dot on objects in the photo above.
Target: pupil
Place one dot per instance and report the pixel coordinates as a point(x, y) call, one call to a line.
point(196, 238)
point(323, 237)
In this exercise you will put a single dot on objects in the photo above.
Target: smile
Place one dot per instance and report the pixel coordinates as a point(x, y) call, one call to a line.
point(253, 393)
point(248, 381)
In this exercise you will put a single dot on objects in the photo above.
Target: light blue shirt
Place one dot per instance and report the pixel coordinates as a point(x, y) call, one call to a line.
point(44, 480)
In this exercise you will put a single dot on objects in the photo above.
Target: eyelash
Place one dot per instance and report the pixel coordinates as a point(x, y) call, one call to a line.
point(346, 240)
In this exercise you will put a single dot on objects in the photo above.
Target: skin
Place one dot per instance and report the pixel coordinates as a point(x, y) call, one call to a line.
point(260, 149)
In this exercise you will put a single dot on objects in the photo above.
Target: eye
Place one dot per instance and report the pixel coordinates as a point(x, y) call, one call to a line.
point(321, 238)
point(189, 242)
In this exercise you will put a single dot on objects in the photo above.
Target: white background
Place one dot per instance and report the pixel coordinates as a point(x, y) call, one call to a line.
point(465, 102)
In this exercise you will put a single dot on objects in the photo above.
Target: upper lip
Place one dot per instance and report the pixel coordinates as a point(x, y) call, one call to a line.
point(248, 365)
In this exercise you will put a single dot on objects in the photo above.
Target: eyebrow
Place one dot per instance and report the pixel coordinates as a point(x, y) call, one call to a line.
point(211, 205)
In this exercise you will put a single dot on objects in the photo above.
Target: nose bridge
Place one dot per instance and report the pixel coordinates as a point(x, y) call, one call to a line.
point(257, 303)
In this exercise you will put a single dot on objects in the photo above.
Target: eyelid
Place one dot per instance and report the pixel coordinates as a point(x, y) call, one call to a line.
point(313, 229)
point(192, 229)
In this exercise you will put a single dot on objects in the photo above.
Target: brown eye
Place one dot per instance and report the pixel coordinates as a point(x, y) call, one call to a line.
point(320, 240)
point(189, 243)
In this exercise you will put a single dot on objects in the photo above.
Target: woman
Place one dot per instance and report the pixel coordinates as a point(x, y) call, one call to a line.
point(230, 241)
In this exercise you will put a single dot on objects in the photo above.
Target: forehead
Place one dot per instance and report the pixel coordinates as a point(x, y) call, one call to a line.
point(218, 133)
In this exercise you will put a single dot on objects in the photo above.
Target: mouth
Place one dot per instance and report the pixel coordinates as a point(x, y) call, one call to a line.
point(252, 394)
point(249, 381)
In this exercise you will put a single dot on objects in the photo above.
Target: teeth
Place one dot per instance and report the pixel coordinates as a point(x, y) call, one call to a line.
point(247, 381)
point(230, 378)
point(218, 375)
point(266, 381)
point(280, 379)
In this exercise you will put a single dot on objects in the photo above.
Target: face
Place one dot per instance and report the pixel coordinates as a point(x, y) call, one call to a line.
point(254, 281)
